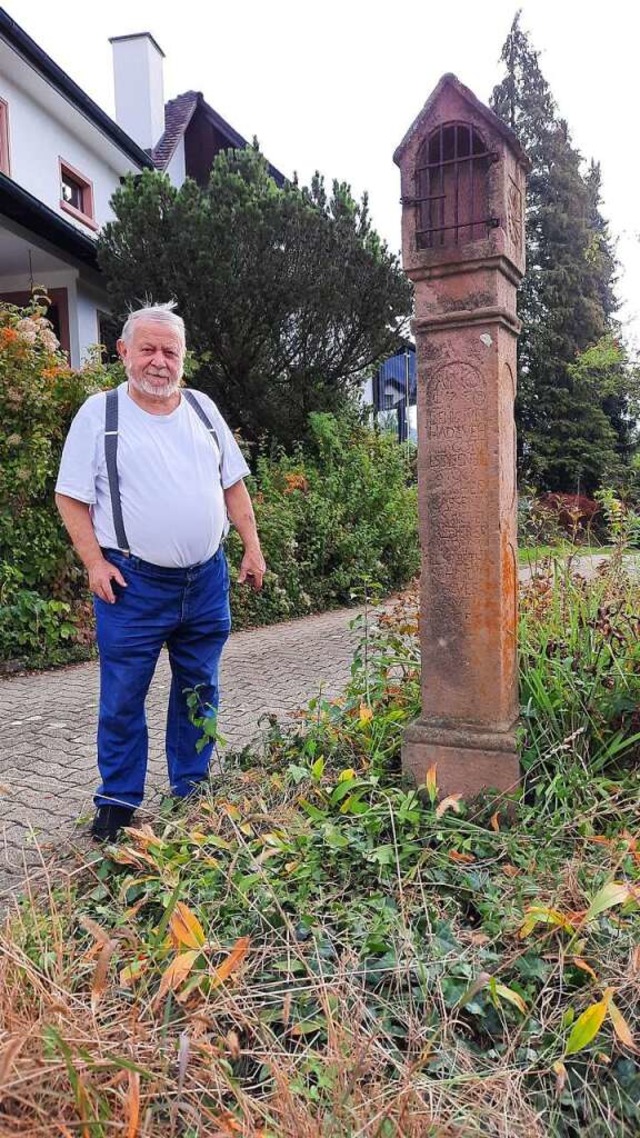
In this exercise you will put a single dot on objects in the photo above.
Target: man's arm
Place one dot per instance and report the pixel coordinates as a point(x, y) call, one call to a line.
point(77, 521)
point(241, 513)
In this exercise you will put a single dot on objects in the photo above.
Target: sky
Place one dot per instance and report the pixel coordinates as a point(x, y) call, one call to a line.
point(335, 86)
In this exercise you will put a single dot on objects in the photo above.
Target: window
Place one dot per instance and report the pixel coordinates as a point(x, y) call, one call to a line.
point(76, 195)
point(452, 187)
point(4, 138)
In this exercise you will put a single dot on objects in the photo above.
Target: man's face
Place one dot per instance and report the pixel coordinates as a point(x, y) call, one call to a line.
point(153, 358)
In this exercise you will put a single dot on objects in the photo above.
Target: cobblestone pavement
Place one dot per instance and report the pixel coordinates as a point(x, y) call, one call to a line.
point(48, 719)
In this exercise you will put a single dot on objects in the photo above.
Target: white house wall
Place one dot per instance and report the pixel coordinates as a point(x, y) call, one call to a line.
point(177, 169)
point(44, 127)
point(89, 305)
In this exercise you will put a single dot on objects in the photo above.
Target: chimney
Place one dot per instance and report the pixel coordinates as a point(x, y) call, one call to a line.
point(137, 77)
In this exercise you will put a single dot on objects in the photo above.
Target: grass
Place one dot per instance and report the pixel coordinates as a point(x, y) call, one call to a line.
point(315, 950)
point(535, 554)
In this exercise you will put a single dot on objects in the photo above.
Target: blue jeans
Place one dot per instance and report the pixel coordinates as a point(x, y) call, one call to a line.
point(188, 609)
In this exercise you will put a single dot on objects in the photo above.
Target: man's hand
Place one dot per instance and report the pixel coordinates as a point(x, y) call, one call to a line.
point(101, 574)
point(252, 568)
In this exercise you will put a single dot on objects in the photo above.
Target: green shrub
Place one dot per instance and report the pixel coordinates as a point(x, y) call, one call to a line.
point(39, 574)
point(334, 521)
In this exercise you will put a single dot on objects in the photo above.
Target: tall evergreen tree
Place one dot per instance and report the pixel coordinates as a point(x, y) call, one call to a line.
point(568, 298)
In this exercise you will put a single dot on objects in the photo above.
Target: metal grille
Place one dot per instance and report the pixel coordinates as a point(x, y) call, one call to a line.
point(452, 200)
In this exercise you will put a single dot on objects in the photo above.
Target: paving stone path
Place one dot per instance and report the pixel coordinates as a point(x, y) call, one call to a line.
point(48, 720)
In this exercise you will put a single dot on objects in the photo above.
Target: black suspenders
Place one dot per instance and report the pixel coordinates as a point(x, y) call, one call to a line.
point(111, 456)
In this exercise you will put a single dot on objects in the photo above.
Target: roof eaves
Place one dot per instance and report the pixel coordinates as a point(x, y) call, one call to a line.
point(22, 207)
point(24, 46)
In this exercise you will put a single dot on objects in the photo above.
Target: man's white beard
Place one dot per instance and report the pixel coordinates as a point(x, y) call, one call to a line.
point(149, 388)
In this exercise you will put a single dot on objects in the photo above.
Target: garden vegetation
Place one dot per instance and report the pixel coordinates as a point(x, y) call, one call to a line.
point(317, 948)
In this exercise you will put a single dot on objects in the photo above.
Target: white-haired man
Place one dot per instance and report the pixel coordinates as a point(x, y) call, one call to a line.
point(149, 475)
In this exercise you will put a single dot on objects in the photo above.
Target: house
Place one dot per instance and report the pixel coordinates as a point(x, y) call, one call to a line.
point(392, 392)
point(62, 157)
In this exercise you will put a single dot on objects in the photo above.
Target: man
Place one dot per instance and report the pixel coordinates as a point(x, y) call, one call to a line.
point(148, 476)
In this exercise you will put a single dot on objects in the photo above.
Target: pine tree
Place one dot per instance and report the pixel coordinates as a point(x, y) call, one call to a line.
point(567, 300)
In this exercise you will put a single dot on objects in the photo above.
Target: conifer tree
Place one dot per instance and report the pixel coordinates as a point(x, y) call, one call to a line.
point(567, 301)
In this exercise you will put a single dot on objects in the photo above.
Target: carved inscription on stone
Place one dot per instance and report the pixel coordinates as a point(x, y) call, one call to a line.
point(457, 446)
point(515, 217)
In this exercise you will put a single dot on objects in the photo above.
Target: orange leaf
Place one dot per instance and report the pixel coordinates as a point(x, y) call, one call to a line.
point(461, 858)
point(366, 713)
point(621, 1027)
point(431, 781)
point(101, 973)
point(235, 957)
point(580, 963)
point(510, 870)
point(495, 822)
point(185, 927)
point(133, 1104)
point(177, 972)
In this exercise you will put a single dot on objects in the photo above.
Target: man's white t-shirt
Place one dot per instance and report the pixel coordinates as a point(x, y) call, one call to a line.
point(171, 481)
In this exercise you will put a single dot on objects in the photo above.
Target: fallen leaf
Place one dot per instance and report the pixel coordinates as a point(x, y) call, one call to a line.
point(177, 972)
point(495, 822)
point(511, 997)
point(560, 1072)
point(451, 802)
point(185, 927)
point(366, 713)
point(461, 858)
point(10, 1051)
point(101, 974)
point(510, 870)
point(133, 1104)
point(582, 964)
point(621, 1027)
point(133, 972)
point(540, 914)
point(235, 957)
point(143, 835)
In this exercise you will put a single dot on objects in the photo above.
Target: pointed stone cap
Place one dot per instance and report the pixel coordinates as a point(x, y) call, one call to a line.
point(447, 84)
point(480, 214)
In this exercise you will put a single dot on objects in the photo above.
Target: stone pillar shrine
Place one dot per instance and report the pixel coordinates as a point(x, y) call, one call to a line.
point(463, 195)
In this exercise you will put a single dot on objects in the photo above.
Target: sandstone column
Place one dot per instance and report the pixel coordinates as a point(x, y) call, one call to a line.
point(463, 187)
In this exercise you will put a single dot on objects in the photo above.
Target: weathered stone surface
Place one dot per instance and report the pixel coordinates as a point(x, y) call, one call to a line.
point(463, 247)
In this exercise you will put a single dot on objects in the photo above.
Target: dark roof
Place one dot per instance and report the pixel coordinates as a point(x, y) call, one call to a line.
point(177, 116)
point(179, 112)
point(41, 62)
point(20, 206)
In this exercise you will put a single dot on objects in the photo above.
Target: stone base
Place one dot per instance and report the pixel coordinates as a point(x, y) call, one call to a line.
point(468, 760)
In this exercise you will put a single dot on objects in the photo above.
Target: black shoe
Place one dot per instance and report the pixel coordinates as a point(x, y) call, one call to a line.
point(109, 820)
